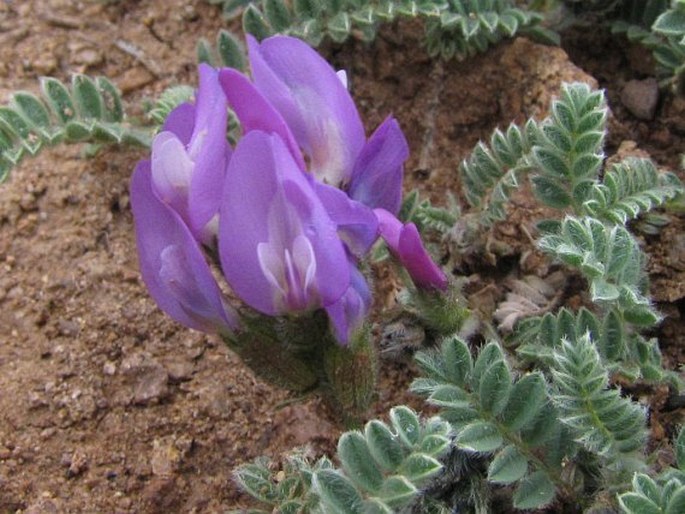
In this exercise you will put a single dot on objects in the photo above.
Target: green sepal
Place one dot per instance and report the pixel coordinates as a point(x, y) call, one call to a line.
point(351, 374)
point(261, 347)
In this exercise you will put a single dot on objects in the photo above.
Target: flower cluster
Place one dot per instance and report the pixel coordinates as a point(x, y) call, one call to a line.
point(289, 213)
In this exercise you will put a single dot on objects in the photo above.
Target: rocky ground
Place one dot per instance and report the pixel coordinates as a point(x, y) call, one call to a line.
point(106, 405)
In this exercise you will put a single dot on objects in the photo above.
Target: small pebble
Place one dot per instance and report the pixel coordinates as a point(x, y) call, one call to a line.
point(109, 368)
point(133, 79)
point(179, 370)
point(78, 464)
point(640, 97)
point(67, 327)
point(151, 379)
point(43, 506)
point(165, 458)
point(48, 433)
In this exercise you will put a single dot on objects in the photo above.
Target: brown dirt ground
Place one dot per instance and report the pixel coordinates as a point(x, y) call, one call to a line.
point(108, 406)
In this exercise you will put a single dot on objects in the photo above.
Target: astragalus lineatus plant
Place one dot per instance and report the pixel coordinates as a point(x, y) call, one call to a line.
point(287, 218)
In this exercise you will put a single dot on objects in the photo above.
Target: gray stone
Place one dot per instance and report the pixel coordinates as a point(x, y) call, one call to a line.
point(150, 378)
point(640, 98)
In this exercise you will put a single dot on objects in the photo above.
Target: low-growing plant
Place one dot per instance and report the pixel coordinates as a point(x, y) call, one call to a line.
point(550, 424)
point(89, 110)
point(454, 28)
point(544, 415)
point(658, 25)
point(660, 494)
point(382, 469)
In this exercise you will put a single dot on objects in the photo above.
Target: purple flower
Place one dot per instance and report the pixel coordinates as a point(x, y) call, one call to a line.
point(291, 211)
point(279, 248)
point(314, 101)
point(349, 312)
point(189, 157)
point(172, 264)
point(356, 223)
point(404, 242)
point(255, 112)
point(310, 96)
point(376, 179)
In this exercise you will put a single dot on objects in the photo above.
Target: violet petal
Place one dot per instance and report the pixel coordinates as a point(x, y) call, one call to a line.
point(348, 313)
point(423, 271)
point(279, 248)
point(172, 170)
point(209, 149)
point(308, 93)
point(377, 177)
point(390, 228)
point(254, 111)
point(357, 224)
point(405, 243)
point(172, 264)
point(181, 121)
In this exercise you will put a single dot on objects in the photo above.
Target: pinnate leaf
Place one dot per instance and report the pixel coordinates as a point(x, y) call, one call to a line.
point(457, 360)
point(488, 355)
point(86, 97)
point(634, 503)
point(676, 505)
point(419, 467)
